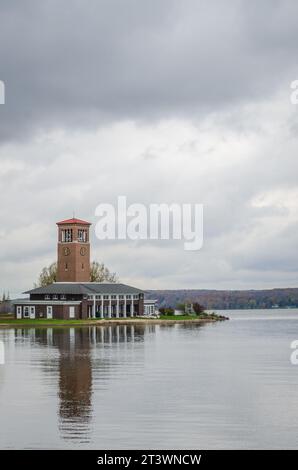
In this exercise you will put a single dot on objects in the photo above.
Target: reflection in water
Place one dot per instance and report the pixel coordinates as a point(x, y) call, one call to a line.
point(74, 365)
point(75, 380)
point(2, 353)
point(2, 362)
point(221, 386)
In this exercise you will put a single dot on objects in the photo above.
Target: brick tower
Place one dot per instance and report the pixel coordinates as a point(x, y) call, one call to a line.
point(73, 251)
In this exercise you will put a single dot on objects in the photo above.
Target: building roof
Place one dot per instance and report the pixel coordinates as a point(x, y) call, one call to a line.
point(73, 221)
point(77, 288)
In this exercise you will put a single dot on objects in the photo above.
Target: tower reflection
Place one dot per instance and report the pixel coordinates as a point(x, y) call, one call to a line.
point(74, 364)
point(75, 379)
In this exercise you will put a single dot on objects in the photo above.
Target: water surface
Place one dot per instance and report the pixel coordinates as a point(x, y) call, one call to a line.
point(224, 385)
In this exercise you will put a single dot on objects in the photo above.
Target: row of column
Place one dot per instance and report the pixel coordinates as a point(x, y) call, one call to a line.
point(131, 313)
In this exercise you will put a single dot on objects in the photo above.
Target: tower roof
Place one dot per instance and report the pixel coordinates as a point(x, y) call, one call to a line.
point(73, 221)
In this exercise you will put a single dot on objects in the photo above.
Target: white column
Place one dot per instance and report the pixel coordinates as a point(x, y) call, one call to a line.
point(94, 304)
point(131, 306)
point(117, 307)
point(110, 307)
point(101, 307)
point(124, 311)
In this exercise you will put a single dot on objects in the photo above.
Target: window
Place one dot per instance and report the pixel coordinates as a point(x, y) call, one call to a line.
point(47, 297)
point(106, 297)
point(135, 296)
point(32, 311)
point(19, 311)
point(26, 311)
point(83, 266)
point(49, 311)
point(121, 297)
point(114, 297)
point(66, 267)
point(82, 235)
point(63, 297)
point(98, 297)
point(67, 235)
point(55, 297)
point(71, 312)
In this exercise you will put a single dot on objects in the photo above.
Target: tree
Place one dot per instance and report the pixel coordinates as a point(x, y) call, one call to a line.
point(166, 311)
point(47, 276)
point(98, 273)
point(198, 308)
point(5, 303)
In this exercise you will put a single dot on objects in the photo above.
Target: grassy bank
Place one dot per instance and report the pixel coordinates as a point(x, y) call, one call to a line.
point(6, 322)
point(203, 316)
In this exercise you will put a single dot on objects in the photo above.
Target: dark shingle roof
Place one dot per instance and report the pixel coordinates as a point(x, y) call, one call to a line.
point(85, 288)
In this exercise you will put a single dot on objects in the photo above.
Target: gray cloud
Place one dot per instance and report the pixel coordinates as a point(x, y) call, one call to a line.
point(84, 65)
point(162, 101)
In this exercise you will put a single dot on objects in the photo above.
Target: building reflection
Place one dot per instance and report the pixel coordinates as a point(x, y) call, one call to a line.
point(74, 364)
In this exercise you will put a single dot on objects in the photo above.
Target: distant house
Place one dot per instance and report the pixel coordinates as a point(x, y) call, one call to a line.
point(189, 309)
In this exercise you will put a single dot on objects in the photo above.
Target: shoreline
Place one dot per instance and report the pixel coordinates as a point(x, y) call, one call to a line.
point(106, 322)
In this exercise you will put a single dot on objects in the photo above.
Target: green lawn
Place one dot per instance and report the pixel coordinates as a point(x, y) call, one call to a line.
point(44, 321)
point(203, 316)
point(179, 317)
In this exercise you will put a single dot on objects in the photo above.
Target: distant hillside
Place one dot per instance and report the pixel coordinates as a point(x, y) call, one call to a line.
point(226, 299)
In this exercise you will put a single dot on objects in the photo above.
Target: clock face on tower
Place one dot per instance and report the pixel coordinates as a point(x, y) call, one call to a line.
point(66, 251)
point(83, 251)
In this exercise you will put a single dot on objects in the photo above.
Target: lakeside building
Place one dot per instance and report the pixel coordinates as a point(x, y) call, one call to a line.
point(73, 296)
point(150, 307)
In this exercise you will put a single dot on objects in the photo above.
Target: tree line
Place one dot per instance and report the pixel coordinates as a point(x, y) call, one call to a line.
point(227, 299)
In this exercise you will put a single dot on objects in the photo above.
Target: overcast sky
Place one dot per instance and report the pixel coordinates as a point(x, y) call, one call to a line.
point(161, 101)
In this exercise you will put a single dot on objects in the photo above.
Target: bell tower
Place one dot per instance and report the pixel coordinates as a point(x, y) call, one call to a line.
point(73, 251)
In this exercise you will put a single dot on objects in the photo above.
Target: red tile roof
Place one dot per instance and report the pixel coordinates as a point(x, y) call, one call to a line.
point(73, 221)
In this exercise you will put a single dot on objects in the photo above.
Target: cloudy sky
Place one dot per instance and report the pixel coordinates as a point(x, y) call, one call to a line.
point(162, 101)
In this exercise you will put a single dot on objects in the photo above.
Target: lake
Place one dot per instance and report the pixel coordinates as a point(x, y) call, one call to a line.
point(217, 386)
